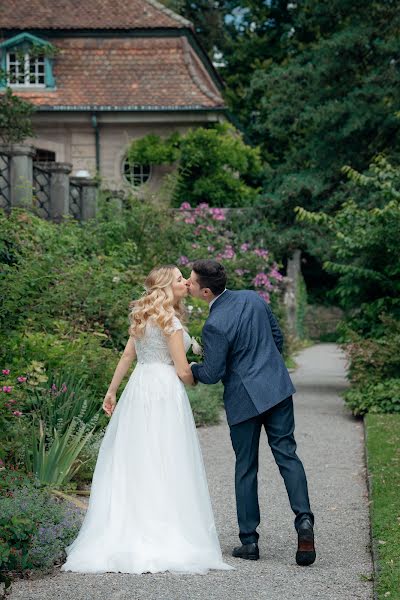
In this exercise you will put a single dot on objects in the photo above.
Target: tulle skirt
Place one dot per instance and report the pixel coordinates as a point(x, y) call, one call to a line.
point(149, 507)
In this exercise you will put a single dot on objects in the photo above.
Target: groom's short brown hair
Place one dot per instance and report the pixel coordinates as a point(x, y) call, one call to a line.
point(210, 274)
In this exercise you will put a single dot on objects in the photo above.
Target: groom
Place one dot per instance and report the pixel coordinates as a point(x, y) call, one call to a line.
point(242, 347)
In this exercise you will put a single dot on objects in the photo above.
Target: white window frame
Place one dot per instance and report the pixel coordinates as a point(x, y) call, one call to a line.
point(27, 61)
point(130, 183)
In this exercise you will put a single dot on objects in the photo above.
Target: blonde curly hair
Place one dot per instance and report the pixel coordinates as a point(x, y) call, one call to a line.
point(156, 303)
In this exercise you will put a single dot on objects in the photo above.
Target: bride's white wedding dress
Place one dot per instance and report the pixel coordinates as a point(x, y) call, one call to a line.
point(149, 508)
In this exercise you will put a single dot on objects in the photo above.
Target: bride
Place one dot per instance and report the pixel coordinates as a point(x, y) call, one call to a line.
point(149, 508)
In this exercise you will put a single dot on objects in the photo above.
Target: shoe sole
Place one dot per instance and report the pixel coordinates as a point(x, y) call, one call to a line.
point(249, 557)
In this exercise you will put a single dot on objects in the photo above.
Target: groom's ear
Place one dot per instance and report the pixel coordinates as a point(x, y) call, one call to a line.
point(207, 292)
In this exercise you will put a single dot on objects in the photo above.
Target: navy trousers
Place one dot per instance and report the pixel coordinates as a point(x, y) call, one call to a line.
point(279, 426)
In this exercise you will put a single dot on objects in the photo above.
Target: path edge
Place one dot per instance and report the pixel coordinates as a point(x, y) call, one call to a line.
point(373, 546)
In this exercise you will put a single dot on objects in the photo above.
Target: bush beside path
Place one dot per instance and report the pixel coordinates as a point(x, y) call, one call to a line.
point(331, 445)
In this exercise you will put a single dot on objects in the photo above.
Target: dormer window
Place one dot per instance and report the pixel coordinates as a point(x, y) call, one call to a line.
point(26, 61)
point(25, 70)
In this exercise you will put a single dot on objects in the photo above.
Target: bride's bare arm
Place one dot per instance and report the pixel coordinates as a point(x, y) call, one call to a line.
point(126, 360)
point(177, 350)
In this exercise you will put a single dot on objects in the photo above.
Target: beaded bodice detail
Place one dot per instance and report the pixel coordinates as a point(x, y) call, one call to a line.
point(153, 347)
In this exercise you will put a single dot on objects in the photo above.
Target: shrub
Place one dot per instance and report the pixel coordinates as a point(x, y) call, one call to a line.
point(34, 526)
point(374, 397)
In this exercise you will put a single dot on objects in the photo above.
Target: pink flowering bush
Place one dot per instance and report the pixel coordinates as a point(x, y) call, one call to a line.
point(11, 411)
point(211, 233)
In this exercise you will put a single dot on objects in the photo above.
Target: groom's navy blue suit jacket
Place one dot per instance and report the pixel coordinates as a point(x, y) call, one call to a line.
point(242, 347)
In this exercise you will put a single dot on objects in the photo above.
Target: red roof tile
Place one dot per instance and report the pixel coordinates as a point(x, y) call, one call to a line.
point(147, 73)
point(87, 14)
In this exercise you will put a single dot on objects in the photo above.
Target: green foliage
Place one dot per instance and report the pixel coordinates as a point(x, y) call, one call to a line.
point(383, 452)
point(34, 527)
point(52, 456)
point(365, 249)
point(214, 165)
point(15, 118)
point(206, 402)
point(374, 397)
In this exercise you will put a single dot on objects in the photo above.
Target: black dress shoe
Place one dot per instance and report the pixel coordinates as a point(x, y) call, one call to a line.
point(247, 551)
point(305, 554)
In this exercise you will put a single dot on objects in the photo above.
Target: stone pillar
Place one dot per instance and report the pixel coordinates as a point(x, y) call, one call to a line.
point(21, 174)
point(59, 189)
point(291, 281)
point(88, 208)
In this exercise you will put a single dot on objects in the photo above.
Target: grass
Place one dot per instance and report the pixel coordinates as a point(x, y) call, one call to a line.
point(206, 402)
point(383, 449)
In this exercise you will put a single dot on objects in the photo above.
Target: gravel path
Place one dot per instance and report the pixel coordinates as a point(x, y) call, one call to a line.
point(330, 444)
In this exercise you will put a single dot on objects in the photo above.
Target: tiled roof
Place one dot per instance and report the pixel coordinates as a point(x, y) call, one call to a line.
point(147, 73)
point(87, 14)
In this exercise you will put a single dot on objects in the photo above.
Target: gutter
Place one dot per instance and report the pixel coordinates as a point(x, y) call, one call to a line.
point(95, 126)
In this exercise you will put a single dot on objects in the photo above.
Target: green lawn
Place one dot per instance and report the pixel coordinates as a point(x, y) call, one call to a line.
point(383, 447)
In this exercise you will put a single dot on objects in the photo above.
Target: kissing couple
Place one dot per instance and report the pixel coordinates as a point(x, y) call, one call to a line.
point(150, 508)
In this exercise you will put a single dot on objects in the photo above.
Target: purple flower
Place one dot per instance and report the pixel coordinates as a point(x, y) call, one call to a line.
point(183, 260)
point(239, 272)
point(244, 247)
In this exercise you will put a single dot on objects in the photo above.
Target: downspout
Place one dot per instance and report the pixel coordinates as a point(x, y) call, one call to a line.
point(95, 126)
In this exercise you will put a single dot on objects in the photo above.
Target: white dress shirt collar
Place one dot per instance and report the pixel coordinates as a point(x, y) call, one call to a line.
point(214, 299)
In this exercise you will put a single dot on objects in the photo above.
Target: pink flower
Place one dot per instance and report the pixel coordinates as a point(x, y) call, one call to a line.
point(17, 413)
point(211, 248)
point(54, 387)
point(185, 206)
point(21, 379)
point(190, 220)
point(64, 388)
point(261, 252)
point(6, 371)
point(195, 245)
point(210, 228)
point(239, 272)
point(183, 260)
point(274, 273)
point(265, 296)
point(7, 388)
point(244, 247)
point(218, 214)
point(12, 401)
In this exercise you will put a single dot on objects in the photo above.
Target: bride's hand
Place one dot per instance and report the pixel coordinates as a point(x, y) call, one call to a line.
point(109, 403)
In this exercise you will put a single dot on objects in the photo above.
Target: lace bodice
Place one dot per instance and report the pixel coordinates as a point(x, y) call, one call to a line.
point(152, 347)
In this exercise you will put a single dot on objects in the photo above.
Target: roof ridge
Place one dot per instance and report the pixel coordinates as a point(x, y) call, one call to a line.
point(187, 57)
point(170, 13)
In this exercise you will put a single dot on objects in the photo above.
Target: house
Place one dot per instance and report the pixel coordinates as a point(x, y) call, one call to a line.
point(102, 73)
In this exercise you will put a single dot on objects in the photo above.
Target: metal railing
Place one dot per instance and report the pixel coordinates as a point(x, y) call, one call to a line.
point(5, 184)
point(41, 190)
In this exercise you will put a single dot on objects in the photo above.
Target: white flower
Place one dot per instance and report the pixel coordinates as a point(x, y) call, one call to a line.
point(190, 308)
point(197, 349)
point(116, 279)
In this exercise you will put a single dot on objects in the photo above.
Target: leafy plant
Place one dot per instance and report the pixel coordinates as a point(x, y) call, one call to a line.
point(15, 118)
point(53, 457)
